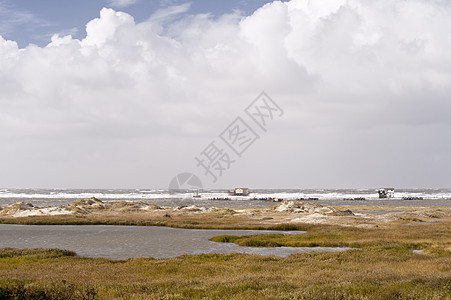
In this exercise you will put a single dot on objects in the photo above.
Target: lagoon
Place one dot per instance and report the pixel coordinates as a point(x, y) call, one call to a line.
point(123, 242)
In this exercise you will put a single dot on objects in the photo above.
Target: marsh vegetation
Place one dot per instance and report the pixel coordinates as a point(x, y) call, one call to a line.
point(382, 265)
point(378, 272)
point(405, 257)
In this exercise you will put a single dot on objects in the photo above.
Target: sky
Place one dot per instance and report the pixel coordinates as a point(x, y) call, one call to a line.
point(131, 93)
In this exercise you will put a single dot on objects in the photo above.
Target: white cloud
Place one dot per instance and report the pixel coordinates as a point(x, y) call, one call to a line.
point(122, 3)
point(363, 84)
point(11, 17)
point(167, 12)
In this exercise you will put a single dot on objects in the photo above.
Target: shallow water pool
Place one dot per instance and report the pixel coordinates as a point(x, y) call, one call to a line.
point(123, 242)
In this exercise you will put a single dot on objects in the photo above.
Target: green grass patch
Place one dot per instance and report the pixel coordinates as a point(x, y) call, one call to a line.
point(224, 239)
point(421, 237)
point(411, 219)
point(38, 253)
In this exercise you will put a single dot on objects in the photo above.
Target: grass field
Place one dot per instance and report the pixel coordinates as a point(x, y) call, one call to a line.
point(380, 272)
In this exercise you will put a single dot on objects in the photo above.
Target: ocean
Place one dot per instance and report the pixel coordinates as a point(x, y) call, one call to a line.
point(221, 198)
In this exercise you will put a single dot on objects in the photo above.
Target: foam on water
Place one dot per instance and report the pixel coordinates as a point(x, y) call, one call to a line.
point(52, 197)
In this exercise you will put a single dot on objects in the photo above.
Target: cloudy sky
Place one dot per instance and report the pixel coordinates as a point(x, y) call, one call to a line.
point(128, 93)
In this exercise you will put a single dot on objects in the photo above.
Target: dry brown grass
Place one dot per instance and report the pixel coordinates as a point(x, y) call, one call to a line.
point(379, 272)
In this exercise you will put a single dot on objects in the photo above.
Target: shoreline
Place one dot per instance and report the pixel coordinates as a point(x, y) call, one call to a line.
point(245, 201)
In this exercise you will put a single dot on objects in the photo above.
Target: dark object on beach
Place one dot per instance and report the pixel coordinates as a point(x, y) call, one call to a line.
point(343, 213)
point(412, 198)
point(269, 199)
point(359, 198)
point(240, 192)
point(308, 199)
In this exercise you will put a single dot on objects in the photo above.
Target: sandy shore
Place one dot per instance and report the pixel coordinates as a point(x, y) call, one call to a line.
point(286, 212)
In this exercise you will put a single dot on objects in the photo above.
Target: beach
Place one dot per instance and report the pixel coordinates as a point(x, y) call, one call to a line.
point(309, 212)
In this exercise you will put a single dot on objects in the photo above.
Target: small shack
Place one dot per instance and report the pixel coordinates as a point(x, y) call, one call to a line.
point(240, 192)
point(386, 193)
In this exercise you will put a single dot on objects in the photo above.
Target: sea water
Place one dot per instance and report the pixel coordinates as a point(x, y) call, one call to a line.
point(56, 197)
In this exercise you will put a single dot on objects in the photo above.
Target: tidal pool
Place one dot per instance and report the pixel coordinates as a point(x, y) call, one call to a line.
point(123, 242)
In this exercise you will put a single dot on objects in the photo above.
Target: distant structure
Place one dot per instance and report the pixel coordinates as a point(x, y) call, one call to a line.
point(240, 192)
point(386, 193)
